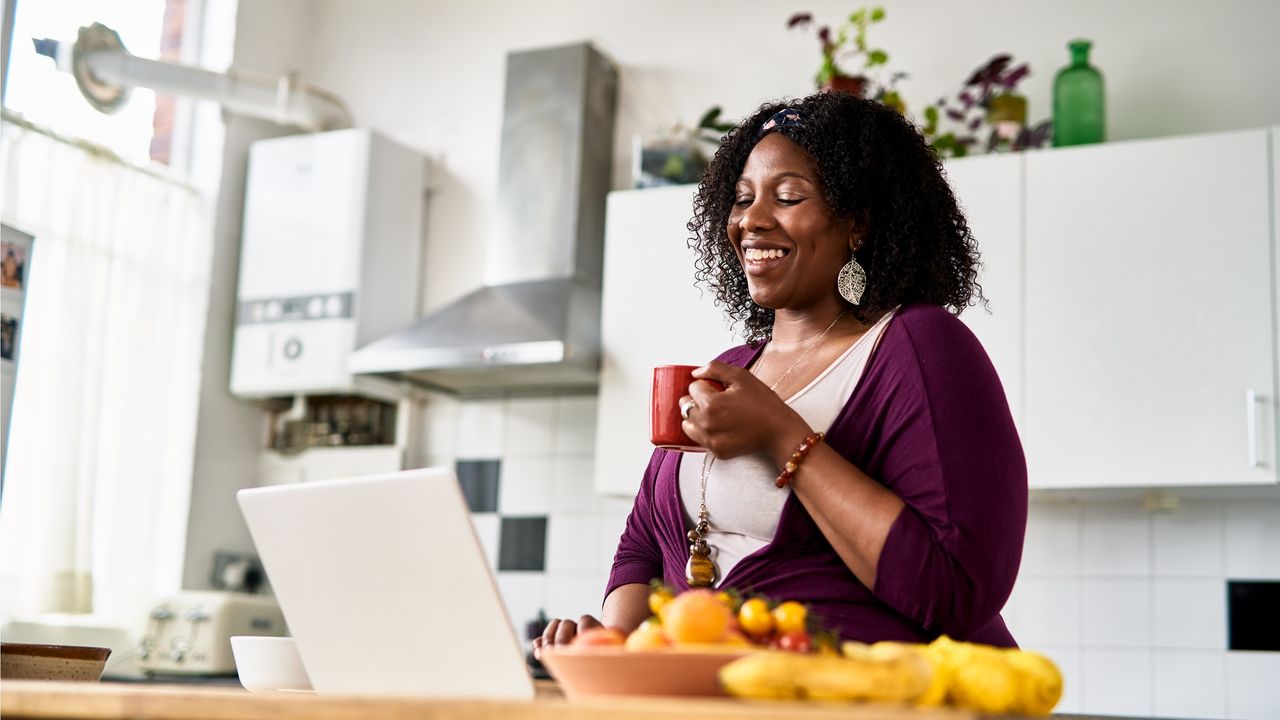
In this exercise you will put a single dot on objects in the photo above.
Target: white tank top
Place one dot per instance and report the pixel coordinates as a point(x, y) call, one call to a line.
point(743, 503)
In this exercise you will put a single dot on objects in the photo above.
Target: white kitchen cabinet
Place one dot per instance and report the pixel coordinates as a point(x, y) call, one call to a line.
point(989, 189)
point(1132, 301)
point(652, 314)
point(1150, 314)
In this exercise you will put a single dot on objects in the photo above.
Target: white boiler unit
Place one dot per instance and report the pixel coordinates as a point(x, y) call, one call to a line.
point(329, 260)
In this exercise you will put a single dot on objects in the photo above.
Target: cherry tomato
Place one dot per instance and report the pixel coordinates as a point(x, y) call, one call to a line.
point(790, 617)
point(754, 618)
point(797, 641)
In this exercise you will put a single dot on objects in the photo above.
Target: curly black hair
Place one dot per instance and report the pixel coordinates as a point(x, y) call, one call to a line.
point(872, 163)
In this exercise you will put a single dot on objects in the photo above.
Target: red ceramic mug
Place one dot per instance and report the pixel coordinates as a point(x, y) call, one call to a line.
point(670, 383)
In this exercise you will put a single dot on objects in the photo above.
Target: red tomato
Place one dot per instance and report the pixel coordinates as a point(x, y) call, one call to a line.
point(795, 641)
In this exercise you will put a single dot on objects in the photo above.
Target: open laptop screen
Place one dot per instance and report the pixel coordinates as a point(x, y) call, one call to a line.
point(385, 587)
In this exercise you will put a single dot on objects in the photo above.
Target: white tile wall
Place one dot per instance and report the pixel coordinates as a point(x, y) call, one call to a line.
point(1130, 604)
point(1253, 540)
point(1189, 614)
point(1189, 541)
point(482, 426)
point(573, 485)
point(569, 544)
point(1253, 685)
point(546, 446)
point(1048, 611)
point(1117, 612)
point(530, 427)
point(524, 593)
point(1115, 541)
point(1190, 684)
point(524, 486)
point(1053, 541)
point(1137, 618)
point(1116, 682)
point(570, 595)
point(576, 425)
point(486, 525)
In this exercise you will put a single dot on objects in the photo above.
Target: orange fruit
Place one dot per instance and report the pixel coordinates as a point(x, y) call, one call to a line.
point(790, 617)
point(696, 617)
point(599, 637)
point(754, 618)
point(648, 636)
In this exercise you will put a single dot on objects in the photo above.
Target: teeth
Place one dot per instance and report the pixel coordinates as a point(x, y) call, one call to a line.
point(758, 254)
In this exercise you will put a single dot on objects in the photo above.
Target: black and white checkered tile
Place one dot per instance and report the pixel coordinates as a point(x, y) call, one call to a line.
point(512, 542)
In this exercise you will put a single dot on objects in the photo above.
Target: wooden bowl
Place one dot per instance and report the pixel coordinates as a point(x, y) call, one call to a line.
point(20, 661)
point(597, 671)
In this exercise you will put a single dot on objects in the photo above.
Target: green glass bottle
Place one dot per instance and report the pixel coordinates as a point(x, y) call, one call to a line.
point(1079, 110)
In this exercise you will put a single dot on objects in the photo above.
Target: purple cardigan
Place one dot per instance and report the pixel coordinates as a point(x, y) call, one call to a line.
point(929, 420)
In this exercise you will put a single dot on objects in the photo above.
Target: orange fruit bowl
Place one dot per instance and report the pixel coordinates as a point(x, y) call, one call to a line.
point(600, 671)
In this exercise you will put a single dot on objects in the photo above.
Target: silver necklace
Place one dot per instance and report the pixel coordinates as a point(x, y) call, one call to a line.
point(701, 570)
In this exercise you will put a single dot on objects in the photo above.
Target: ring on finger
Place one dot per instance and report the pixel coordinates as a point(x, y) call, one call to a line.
point(686, 407)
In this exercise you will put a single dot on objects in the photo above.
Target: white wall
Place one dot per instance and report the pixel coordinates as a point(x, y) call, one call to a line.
point(270, 36)
point(431, 73)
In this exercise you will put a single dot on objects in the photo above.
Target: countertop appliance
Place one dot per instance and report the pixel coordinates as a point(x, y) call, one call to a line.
point(535, 326)
point(190, 633)
point(329, 260)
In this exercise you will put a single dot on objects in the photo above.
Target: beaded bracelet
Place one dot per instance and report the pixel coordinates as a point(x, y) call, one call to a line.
point(793, 464)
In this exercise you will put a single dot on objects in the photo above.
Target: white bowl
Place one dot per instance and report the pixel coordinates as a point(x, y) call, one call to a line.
point(269, 664)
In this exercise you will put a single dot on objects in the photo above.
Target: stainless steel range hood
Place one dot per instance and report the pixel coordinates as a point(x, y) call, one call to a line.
point(535, 326)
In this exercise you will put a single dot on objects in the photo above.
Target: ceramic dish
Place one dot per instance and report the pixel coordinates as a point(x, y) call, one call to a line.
point(269, 664)
point(69, 663)
point(596, 671)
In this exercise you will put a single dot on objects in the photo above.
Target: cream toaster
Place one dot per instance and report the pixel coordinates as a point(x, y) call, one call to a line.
point(190, 633)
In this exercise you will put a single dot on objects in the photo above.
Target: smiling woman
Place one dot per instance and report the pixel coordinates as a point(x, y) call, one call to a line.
point(861, 458)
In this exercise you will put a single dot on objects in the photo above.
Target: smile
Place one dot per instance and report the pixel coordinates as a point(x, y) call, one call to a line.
point(759, 254)
point(762, 260)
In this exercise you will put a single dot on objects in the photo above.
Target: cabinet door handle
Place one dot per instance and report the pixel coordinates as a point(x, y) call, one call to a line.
point(1251, 420)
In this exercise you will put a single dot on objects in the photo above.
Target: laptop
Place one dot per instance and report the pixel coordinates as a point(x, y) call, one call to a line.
point(385, 587)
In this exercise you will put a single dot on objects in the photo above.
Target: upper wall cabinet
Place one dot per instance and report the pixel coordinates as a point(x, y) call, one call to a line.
point(1132, 316)
point(989, 190)
point(1150, 321)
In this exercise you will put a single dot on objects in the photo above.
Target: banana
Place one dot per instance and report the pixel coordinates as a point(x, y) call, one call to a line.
point(945, 672)
point(1039, 682)
point(984, 682)
point(763, 676)
point(897, 676)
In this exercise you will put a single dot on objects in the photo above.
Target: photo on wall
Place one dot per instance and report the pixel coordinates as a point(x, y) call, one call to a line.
point(13, 263)
point(8, 336)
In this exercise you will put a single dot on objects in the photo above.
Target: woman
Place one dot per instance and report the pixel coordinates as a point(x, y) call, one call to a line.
point(826, 228)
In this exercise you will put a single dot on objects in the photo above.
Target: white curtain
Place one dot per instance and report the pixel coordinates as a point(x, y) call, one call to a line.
point(93, 516)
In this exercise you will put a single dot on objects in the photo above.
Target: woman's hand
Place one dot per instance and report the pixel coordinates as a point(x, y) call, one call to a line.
point(562, 632)
point(743, 417)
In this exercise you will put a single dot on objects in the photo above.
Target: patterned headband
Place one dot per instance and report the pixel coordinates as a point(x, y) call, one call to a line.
point(786, 117)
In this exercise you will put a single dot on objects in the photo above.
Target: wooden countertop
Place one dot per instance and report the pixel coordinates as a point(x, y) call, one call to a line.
point(111, 701)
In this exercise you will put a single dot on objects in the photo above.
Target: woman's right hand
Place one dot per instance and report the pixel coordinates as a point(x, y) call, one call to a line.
point(562, 632)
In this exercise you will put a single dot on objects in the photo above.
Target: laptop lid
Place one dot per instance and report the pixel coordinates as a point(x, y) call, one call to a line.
point(385, 587)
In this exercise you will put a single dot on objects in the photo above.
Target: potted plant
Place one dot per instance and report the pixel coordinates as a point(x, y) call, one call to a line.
point(846, 56)
point(989, 97)
point(679, 156)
